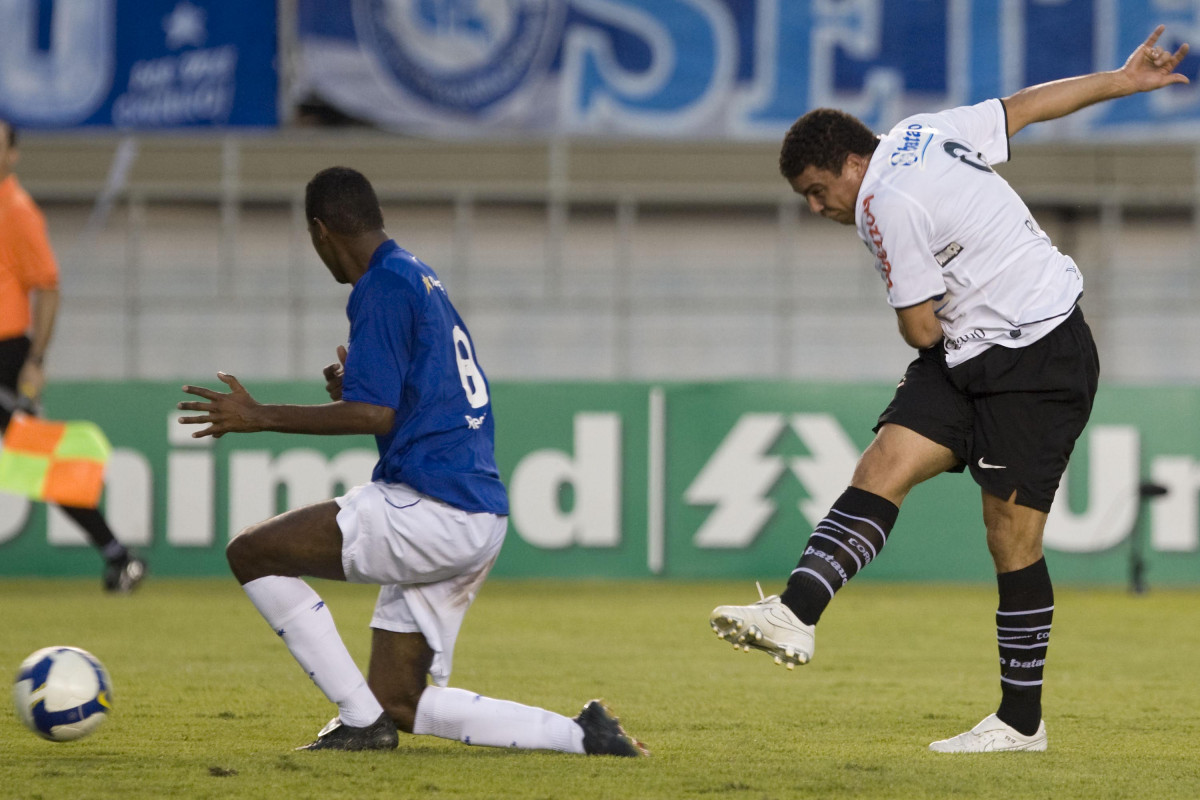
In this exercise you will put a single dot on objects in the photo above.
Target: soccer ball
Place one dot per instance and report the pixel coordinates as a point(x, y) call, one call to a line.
point(62, 693)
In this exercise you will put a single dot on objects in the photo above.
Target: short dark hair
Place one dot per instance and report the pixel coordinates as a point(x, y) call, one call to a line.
point(344, 200)
point(823, 138)
point(12, 131)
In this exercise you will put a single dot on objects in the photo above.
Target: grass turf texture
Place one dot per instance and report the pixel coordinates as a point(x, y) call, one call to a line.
point(208, 703)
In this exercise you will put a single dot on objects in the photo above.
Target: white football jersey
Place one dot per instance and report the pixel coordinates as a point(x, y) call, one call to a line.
point(943, 225)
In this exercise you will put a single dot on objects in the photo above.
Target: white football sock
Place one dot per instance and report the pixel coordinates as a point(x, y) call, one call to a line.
point(299, 616)
point(474, 719)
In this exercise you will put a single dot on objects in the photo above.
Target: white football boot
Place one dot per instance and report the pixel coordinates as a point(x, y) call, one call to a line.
point(992, 736)
point(768, 625)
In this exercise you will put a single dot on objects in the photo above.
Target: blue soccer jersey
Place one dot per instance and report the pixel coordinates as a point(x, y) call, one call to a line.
point(410, 351)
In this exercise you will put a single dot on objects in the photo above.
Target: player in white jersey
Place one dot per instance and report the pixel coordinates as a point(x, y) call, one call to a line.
point(1006, 370)
point(949, 228)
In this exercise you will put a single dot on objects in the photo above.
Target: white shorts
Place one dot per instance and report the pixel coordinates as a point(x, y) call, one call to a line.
point(429, 558)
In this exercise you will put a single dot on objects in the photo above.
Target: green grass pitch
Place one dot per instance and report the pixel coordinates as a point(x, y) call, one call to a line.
point(208, 703)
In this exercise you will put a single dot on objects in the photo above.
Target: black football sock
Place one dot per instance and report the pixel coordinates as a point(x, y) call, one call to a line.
point(1023, 634)
point(845, 541)
point(97, 530)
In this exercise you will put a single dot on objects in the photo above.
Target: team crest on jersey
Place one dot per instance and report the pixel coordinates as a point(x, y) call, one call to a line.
point(468, 56)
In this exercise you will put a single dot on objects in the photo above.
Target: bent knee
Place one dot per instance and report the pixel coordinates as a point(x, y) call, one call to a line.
point(897, 460)
point(240, 552)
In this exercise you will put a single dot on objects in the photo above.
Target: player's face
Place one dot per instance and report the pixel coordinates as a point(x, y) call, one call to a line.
point(832, 196)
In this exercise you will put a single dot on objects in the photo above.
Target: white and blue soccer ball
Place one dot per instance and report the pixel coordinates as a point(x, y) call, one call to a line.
point(62, 693)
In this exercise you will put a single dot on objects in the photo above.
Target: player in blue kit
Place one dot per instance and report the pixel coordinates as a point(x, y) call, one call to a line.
point(428, 527)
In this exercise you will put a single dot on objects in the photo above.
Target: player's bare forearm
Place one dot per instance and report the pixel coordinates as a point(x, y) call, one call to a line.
point(340, 417)
point(919, 326)
point(1056, 99)
point(1148, 68)
point(238, 412)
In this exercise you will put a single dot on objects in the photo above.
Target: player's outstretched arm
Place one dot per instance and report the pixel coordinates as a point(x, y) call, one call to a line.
point(238, 412)
point(1149, 67)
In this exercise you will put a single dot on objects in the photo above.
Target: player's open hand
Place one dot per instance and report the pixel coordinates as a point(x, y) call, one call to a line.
point(224, 413)
point(1151, 67)
point(333, 375)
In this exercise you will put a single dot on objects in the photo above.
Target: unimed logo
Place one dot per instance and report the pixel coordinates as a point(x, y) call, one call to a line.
point(572, 495)
point(737, 478)
point(1113, 482)
point(592, 471)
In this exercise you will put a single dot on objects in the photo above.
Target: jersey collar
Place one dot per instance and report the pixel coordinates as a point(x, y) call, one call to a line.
point(383, 251)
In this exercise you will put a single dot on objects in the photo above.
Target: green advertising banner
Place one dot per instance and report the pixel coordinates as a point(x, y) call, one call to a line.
point(753, 466)
point(629, 480)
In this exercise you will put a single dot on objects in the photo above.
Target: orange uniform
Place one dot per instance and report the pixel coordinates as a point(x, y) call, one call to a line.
point(26, 260)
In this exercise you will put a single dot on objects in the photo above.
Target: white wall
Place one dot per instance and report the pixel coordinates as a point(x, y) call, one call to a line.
point(569, 260)
point(686, 294)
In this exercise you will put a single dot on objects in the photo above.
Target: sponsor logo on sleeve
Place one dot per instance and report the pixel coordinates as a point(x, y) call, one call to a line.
point(910, 149)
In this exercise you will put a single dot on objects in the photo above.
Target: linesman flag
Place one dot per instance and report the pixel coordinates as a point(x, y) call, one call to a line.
point(55, 462)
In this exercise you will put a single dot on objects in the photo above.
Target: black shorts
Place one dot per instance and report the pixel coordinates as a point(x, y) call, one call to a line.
point(1010, 414)
point(12, 357)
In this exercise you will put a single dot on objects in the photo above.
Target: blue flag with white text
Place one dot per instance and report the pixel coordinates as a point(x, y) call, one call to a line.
point(138, 64)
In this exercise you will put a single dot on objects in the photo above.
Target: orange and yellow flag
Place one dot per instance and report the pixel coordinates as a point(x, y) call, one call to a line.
point(55, 462)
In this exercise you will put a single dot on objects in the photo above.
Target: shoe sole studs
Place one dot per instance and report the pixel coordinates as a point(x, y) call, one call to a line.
point(743, 637)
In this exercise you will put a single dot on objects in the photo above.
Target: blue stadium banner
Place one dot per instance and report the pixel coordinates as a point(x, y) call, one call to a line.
point(138, 64)
point(723, 69)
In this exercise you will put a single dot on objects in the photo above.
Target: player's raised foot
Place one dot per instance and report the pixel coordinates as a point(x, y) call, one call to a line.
point(768, 625)
point(992, 736)
point(123, 576)
point(603, 734)
point(379, 735)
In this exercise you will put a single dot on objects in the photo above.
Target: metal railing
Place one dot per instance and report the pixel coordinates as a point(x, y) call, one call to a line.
point(568, 259)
